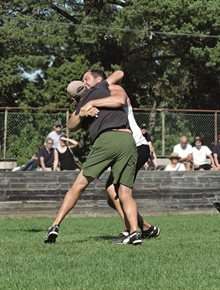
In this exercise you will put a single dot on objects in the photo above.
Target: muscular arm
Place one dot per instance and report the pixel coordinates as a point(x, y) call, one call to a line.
point(74, 122)
point(117, 99)
point(115, 77)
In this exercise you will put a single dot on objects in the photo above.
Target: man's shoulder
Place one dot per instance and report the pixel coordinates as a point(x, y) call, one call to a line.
point(42, 149)
point(177, 146)
point(103, 84)
point(216, 146)
point(194, 149)
point(206, 148)
point(52, 133)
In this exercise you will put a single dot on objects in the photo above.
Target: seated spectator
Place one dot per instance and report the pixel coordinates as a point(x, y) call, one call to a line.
point(175, 165)
point(184, 150)
point(65, 159)
point(31, 165)
point(47, 156)
point(152, 161)
point(200, 153)
point(216, 153)
point(56, 133)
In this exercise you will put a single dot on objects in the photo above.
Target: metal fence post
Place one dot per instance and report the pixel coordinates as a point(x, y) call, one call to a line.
point(163, 131)
point(67, 119)
point(5, 133)
point(216, 125)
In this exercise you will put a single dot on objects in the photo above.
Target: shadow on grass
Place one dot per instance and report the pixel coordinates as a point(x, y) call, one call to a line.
point(33, 230)
point(89, 239)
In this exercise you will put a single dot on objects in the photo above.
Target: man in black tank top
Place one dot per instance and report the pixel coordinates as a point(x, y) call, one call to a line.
point(113, 146)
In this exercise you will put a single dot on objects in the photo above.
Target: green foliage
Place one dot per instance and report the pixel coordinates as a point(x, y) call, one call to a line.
point(24, 145)
point(27, 132)
point(174, 69)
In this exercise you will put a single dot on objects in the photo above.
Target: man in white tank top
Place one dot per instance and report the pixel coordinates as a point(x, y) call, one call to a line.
point(143, 150)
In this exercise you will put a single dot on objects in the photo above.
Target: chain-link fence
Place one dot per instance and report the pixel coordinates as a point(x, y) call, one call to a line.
point(23, 131)
point(167, 126)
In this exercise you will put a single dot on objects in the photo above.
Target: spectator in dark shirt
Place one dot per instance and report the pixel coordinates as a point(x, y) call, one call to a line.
point(152, 161)
point(216, 153)
point(47, 157)
point(64, 155)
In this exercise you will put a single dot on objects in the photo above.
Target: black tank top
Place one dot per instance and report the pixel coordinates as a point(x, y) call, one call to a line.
point(66, 160)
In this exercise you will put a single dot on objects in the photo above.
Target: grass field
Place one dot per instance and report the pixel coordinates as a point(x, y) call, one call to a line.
point(185, 256)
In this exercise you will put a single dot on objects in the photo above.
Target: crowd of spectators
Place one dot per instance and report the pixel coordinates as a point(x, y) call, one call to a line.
point(55, 154)
point(194, 157)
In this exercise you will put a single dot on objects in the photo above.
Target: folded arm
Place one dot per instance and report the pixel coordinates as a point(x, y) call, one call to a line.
point(117, 99)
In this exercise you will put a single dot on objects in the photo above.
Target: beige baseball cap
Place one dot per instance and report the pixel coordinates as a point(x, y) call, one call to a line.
point(75, 88)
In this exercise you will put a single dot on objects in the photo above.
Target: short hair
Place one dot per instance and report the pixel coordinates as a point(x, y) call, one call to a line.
point(48, 139)
point(98, 73)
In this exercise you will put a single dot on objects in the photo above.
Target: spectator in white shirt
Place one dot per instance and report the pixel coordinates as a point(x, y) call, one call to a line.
point(184, 150)
point(55, 134)
point(200, 153)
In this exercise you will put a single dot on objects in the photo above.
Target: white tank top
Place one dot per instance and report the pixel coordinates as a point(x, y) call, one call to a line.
point(136, 131)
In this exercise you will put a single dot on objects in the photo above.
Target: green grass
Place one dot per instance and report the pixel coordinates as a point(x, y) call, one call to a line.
point(185, 256)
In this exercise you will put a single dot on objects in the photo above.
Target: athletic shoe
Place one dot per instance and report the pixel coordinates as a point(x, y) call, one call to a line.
point(152, 232)
point(52, 234)
point(217, 205)
point(122, 239)
point(135, 238)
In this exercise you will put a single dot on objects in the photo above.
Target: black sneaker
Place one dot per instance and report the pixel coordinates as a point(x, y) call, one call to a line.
point(152, 232)
point(217, 205)
point(52, 234)
point(122, 239)
point(135, 238)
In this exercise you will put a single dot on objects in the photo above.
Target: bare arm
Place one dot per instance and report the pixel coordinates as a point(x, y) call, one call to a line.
point(115, 77)
point(212, 161)
point(117, 99)
point(216, 160)
point(42, 164)
point(74, 122)
point(56, 160)
point(188, 158)
point(73, 142)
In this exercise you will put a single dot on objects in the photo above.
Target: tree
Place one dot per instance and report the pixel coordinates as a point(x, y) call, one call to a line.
point(169, 50)
point(170, 64)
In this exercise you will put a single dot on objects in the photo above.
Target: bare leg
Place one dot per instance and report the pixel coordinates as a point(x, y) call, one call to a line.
point(143, 225)
point(129, 206)
point(72, 197)
point(188, 166)
point(116, 203)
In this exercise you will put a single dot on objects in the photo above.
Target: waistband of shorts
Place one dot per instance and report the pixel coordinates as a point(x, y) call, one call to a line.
point(123, 129)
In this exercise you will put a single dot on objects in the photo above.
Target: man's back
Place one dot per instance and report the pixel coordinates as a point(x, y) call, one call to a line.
point(108, 118)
